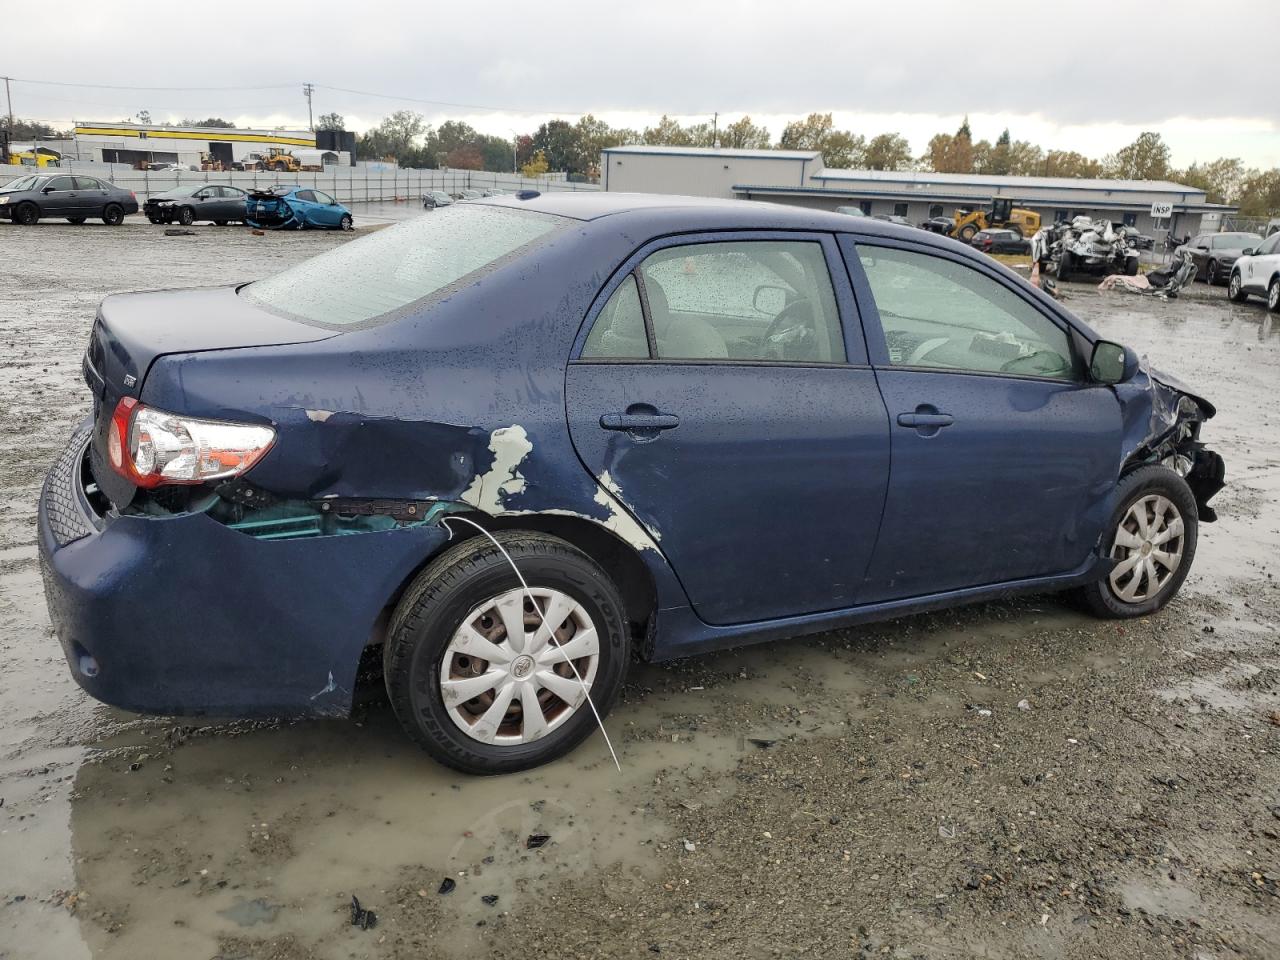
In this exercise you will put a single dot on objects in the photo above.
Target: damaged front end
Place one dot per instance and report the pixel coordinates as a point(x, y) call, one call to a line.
point(1083, 245)
point(1162, 423)
point(270, 210)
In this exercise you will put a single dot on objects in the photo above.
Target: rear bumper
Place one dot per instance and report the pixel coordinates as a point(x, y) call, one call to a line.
point(180, 614)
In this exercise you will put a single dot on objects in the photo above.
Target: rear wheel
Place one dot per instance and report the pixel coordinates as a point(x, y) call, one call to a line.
point(26, 214)
point(1235, 289)
point(76, 220)
point(1130, 266)
point(281, 166)
point(968, 232)
point(113, 215)
point(1065, 264)
point(1152, 539)
point(1273, 295)
point(186, 216)
point(472, 671)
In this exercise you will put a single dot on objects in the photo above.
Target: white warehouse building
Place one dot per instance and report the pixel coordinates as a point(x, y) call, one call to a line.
point(799, 177)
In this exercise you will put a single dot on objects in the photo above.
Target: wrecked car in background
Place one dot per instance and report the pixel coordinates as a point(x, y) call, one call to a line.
point(617, 388)
point(294, 207)
point(1084, 245)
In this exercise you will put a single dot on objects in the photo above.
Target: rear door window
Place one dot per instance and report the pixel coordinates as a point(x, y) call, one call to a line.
point(306, 195)
point(618, 333)
point(89, 183)
point(375, 276)
point(938, 313)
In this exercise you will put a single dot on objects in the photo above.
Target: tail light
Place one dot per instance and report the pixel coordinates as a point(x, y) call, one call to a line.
point(151, 447)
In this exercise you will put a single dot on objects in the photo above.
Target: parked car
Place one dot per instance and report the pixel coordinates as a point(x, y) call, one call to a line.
point(287, 207)
point(436, 198)
point(942, 225)
point(893, 218)
point(614, 388)
point(1257, 273)
point(73, 198)
point(851, 211)
point(1137, 239)
point(1000, 241)
point(1215, 253)
point(220, 203)
point(468, 194)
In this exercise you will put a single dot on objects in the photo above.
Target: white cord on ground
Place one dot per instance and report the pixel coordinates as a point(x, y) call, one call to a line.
point(542, 622)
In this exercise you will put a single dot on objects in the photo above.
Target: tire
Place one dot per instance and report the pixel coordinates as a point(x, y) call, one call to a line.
point(155, 219)
point(186, 216)
point(27, 214)
point(418, 658)
point(968, 232)
point(1130, 266)
point(1136, 492)
point(220, 223)
point(1211, 273)
point(1235, 288)
point(346, 222)
point(113, 215)
point(77, 220)
point(1065, 265)
point(281, 167)
point(1273, 295)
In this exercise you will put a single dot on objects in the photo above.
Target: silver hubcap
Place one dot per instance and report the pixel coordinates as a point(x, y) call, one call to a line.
point(1273, 295)
point(1148, 547)
point(505, 677)
point(1235, 286)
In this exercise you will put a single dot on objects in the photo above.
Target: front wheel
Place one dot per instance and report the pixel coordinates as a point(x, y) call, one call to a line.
point(967, 232)
point(1235, 289)
point(26, 214)
point(113, 215)
point(478, 677)
point(1130, 266)
point(1211, 274)
point(346, 223)
point(186, 216)
point(1152, 539)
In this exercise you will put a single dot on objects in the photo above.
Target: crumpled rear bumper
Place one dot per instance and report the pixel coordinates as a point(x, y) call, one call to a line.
point(181, 614)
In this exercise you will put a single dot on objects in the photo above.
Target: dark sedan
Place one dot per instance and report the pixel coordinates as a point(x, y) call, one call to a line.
point(525, 438)
point(74, 198)
point(1000, 241)
point(197, 201)
point(1214, 254)
point(1137, 239)
point(942, 225)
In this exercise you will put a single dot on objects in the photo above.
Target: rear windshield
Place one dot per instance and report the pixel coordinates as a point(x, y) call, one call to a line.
point(377, 275)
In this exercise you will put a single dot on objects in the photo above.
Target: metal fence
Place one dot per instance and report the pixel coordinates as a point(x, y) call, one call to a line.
point(1260, 225)
point(345, 184)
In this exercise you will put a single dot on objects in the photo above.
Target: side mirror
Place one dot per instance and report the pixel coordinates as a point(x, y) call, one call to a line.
point(47, 190)
point(1247, 252)
point(1112, 363)
point(769, 299)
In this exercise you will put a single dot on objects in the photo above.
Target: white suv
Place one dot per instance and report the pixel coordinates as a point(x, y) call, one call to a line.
point(1258, 273)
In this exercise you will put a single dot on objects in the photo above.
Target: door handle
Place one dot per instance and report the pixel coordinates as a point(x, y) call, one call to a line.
point(927, 420)
point(639, 421)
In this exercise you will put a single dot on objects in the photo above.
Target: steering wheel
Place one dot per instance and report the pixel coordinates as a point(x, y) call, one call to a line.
point(792, 334)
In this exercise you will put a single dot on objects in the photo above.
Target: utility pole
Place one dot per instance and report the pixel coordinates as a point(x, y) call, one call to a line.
point(715, 129)
point(9, 96)
point(307, 89)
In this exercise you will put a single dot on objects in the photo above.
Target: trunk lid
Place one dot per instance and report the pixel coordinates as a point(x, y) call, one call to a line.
point(133, 329)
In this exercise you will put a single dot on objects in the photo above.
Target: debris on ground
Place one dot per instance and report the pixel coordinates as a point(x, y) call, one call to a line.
point(175, 232)
point(446, 886)
point(490, 899)
point(536, 840)
point(360, 917)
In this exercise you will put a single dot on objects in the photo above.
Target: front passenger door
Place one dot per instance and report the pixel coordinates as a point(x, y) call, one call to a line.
point(1004, 456)
point(61, 198)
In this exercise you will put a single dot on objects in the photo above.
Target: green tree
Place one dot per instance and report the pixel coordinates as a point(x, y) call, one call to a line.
point(537, 165)
point(667, 133)
point(888, 151)
point(950, 152)
point(35, 130)
point(331, 121)
point(1260, 193)
point(1220, 180)
point(743, 134)
point(209, 122)
point(1068, 163)
point(1147, 158)
point(394, 137)
point(840, 148)
point(560, 145)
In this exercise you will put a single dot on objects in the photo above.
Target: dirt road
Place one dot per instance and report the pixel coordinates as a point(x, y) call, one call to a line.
point(1011, 780)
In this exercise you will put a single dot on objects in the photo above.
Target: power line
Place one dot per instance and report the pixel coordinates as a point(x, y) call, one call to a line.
point(108, 86)
point(447, 103)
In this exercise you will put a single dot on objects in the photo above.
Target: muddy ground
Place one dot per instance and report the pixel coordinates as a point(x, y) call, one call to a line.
point(1009, 780)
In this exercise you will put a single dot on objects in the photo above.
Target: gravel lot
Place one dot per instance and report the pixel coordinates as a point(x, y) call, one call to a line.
point(1010, 780)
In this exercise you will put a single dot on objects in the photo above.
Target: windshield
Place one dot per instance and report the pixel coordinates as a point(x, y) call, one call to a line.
point(1235, 241)
point(394, 267)
point(185, 191)
point(22, 183)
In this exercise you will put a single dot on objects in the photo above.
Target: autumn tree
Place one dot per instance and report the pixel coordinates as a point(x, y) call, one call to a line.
point(667, 133)
point(536, 167)
point(743, 134)
point(1260, 193)
point(887, 151)
point(1147, 158)
point(1068, 163)
point(1220, 179)
point(839, 148)
point(331, 121)
point(950, 152)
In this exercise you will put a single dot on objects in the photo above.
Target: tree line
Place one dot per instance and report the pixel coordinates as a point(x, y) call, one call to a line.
point(574, 148)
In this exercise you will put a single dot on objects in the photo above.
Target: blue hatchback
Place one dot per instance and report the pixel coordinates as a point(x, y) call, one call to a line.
point(287, 207)
point(512, 444)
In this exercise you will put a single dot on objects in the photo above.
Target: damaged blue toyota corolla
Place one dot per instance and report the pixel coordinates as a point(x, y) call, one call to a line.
point(691, 424)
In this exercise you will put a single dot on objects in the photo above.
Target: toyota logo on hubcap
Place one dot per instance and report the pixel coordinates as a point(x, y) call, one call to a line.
point(522, 667)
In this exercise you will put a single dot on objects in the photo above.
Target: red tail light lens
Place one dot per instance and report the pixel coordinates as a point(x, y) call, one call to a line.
point(151, 447)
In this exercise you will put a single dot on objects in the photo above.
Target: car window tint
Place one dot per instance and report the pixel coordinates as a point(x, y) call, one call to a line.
point(89, 183)
point(1269, 245)
point(618, 332)
point(234, 193)
point(392, 268)
point(939, 313)
point(62, 183)
point(306, 195)
point(323, 197)
point(743, 300)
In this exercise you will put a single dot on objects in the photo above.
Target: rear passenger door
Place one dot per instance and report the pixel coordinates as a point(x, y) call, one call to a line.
point(1004, 456)
point(92, 196)
point(232, 203)
point(721, 387)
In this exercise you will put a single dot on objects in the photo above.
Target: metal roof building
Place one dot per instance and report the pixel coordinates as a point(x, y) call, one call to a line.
point(136, 143)
point(800, 177)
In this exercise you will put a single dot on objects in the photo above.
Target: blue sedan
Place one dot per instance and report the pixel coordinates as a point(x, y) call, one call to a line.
point(515, 443)
point(286, 207)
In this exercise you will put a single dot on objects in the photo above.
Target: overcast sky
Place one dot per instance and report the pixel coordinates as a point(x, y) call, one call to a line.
point(1079, 75)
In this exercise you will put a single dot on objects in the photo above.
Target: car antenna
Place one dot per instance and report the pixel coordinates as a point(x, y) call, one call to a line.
point(542, 622)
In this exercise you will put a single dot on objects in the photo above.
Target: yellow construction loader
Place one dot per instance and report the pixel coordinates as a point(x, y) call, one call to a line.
point(1002, 213)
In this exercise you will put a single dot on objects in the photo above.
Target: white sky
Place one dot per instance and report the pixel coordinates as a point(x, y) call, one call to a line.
point(1088, 80)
